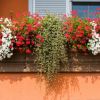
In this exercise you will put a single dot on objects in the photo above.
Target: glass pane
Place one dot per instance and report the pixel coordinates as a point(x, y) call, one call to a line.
point(94, 10)
point(87, 9)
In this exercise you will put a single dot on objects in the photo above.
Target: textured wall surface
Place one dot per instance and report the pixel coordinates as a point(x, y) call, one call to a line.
point(65, 87)
point(10, 7)
point(28, 86)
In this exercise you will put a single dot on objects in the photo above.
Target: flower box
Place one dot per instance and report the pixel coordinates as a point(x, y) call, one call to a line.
point(47, 37)
point(77, 62)
point(17, 63)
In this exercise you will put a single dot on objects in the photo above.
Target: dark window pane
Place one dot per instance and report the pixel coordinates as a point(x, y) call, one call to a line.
point(87, 9)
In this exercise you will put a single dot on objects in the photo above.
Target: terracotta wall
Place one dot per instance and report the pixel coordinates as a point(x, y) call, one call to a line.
point(7, 7)
point(65, 87)
point(28, 86)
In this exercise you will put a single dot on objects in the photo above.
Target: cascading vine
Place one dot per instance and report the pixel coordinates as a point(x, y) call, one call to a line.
point(53, 52)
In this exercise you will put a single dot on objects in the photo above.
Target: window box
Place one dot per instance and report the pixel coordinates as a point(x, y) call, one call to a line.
point(78, 62)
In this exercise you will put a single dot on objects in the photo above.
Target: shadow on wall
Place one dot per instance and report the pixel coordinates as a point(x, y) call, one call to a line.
point(15, 77)
point(65, 83)
point(60, 84)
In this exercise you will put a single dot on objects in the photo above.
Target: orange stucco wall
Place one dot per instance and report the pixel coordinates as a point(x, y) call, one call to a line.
point(18, 86)
point(28, 86)
point(10, 7)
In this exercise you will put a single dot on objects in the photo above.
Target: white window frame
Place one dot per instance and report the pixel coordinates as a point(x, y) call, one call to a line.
point(31, 5)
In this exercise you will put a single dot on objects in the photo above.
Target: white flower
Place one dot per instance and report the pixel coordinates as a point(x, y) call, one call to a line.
point(9, 55)
point(8, 22)
point(95, 52)
point(93, 24)
point(5, 51)
point(94, 43)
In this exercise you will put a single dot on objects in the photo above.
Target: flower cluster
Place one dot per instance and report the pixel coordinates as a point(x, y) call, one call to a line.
point(97, 28)
point(28, 33)
point(77, 32)
point(94, 43)
point(6, 45)
point(25, 33)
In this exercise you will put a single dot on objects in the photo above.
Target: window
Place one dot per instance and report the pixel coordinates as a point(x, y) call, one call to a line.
point(85, 8)
point(49, 6)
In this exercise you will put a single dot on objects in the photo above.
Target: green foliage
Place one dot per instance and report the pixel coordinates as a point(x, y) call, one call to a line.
point(52, 53)
point(30, 20)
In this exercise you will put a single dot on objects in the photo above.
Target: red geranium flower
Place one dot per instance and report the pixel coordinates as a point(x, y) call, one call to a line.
point(38, 36)
point(28, 42)
point(0, 42)
point(77, 31)
point(0, 35)
point(11, 46)
point(19, 43)
point(67, 35)
point(27, 32)
point(29, 27)
point(42, 40)
point(32, 43)
point(28, 51)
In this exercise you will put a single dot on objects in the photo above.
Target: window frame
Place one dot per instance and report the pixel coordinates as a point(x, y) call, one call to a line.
point(31, 5)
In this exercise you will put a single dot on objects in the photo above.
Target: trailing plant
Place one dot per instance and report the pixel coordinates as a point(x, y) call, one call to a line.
point(52, 53)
